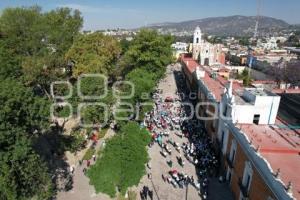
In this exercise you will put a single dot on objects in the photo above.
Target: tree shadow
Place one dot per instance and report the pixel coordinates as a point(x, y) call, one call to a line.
point(51, 147)
point(198, 134)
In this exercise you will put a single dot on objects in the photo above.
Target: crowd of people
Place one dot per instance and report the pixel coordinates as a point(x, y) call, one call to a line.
point(171, 116)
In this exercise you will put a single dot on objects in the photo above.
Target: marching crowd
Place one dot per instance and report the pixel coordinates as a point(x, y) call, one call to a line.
point(170, 116)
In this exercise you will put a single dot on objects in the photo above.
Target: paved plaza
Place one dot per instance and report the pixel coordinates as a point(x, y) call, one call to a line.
point(161, 189)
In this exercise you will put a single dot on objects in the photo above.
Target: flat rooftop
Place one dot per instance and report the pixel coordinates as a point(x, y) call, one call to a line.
point(259, 92)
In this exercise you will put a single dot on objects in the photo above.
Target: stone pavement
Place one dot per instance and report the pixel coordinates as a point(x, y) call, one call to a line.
point(162, 190)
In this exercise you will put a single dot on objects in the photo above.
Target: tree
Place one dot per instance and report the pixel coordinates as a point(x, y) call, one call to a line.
point(21, 108)
point(94, 53)
point(149, 51)
point(122, 163)
point(143, 82)
point(293, 41)
point(245, 77)
point(124, 45)
point(286, 72)
point(40, 40)
point(22, 173)
point(9, 64)
point(21, 115)
point(62, 27)
point(234, 60)
point(21, 30)
point(244, 41)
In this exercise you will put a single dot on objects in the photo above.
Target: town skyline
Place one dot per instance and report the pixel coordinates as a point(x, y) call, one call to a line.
point(134, 14)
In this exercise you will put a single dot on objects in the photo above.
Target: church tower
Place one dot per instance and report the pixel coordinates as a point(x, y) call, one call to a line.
point(197, 41)
point(197, 36)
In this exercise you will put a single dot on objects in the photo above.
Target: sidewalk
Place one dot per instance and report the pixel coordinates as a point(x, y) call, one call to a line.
point(82, 190)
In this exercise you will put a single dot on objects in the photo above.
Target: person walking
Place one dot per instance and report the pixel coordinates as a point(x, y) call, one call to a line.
point(142, 195)
point(94, 157)
point(150, 175)
point(150, 193)
point(72, 169)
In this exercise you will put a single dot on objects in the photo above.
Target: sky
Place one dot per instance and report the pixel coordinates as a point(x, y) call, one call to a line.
point(103, 14)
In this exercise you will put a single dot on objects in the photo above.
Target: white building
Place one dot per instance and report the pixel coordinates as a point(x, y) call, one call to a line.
point(271, 43)
point(250, 106)
point(179, 48)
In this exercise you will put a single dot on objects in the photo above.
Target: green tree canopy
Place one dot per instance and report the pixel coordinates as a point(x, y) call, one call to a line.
point(21, 114)
point(39, 40)
point(94, 53)
point(143, 82)
point(21, 108)
point(122, 163)
point(22, 173)
point(149, 51)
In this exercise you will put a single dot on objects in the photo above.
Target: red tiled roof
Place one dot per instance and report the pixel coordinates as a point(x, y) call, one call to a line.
point(190, 63)
point(215, 85)
point(280, 148)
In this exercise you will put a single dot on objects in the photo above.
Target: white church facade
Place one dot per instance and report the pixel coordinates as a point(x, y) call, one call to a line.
point(206, 53)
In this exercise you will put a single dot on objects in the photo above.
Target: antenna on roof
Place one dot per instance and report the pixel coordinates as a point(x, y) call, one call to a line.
point(257, 19)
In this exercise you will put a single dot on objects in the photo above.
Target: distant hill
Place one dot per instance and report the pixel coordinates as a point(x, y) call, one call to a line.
point(231, 25)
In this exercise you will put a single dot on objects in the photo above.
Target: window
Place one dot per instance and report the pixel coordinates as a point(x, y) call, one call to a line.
point(256, 119)
point(230, 157)
point(247, 177)
point(222, 138)
point(245, 181)
point(232, 150)
point(197, 40)
point(248, 181)
point(233, 156)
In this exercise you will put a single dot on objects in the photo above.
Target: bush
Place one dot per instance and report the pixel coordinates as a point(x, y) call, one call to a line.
point(76, 141)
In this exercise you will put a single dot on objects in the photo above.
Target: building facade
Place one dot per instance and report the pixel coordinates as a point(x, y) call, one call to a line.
point(259, 159)
point(206, 53)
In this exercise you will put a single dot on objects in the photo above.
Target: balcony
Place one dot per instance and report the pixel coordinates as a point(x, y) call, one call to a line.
point(229, 161)
point(244, 189)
